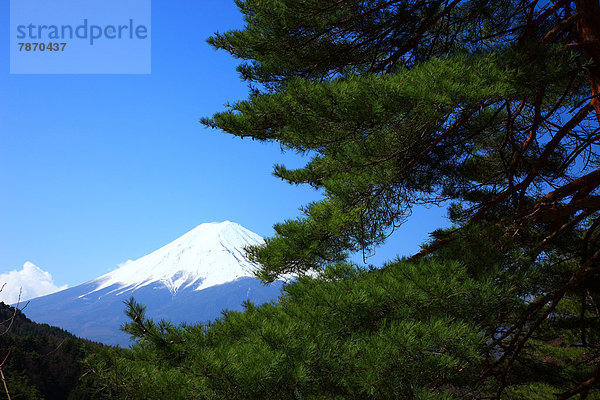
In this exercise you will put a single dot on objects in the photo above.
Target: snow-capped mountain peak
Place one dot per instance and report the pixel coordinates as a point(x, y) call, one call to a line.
point(191, 279)
point(208, 255)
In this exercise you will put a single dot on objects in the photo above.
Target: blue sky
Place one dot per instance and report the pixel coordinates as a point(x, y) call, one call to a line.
point(99, 169)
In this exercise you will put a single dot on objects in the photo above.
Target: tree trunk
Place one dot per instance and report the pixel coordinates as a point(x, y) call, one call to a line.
point(588, 29)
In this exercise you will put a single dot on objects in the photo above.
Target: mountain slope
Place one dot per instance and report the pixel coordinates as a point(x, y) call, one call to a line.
point(209, 255)
point(191, 279)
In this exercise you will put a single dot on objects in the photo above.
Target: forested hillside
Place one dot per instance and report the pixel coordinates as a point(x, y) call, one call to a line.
point(41, 361)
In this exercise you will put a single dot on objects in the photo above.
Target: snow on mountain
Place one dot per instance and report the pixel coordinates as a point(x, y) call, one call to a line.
point(192, 279)
point(209, 255)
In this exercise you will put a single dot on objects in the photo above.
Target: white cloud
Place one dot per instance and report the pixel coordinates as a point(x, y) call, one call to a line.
point(124, 263)
point(34, 282)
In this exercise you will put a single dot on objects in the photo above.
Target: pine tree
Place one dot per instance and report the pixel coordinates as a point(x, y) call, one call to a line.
point(490, 106)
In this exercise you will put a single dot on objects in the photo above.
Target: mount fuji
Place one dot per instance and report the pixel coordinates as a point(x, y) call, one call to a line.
point(191, 279)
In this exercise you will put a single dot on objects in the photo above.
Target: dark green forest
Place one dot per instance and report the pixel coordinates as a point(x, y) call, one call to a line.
point(41, 361)
point(488, 108)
